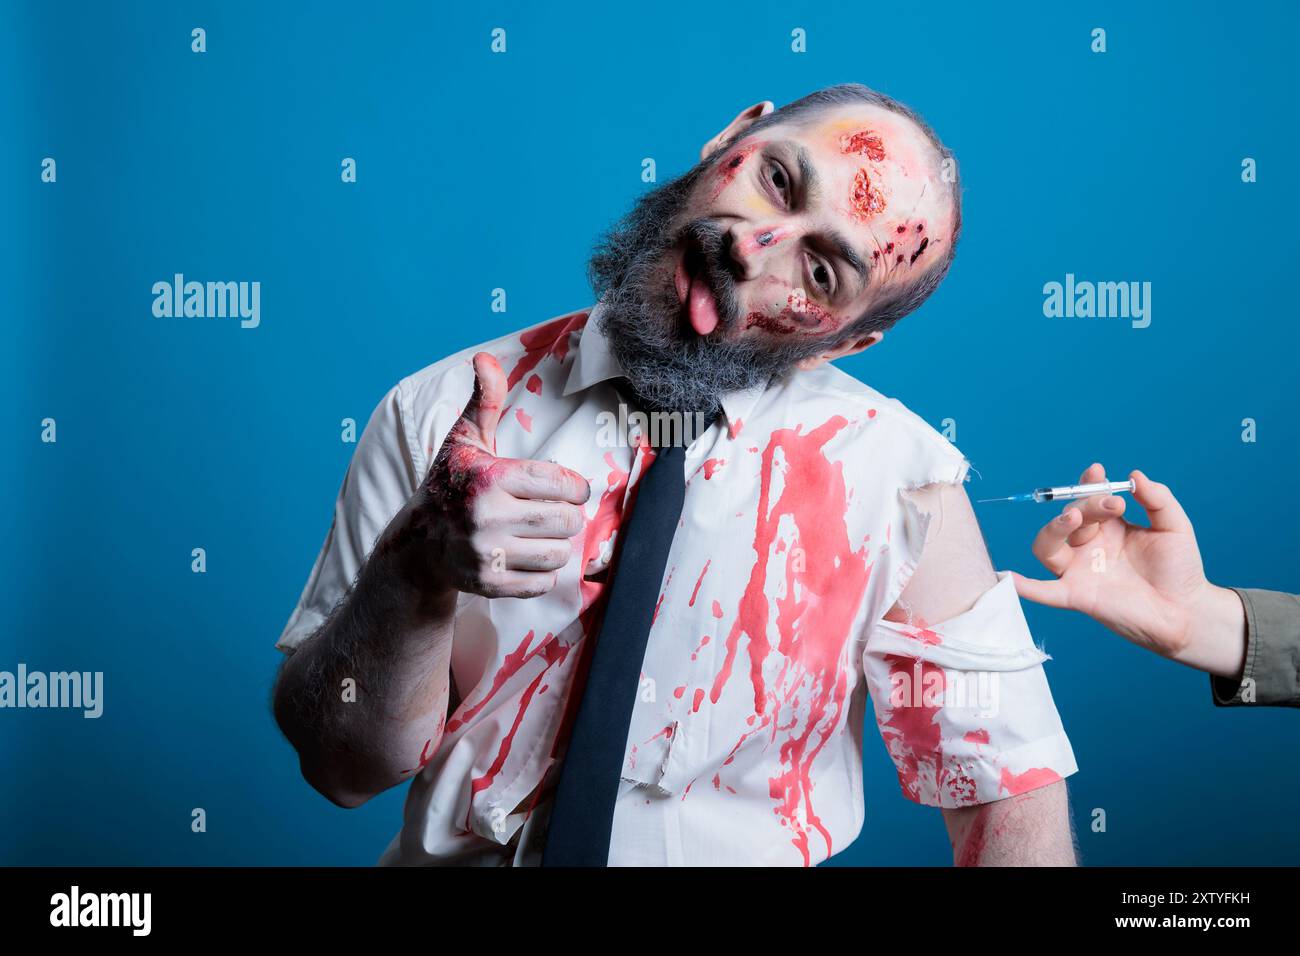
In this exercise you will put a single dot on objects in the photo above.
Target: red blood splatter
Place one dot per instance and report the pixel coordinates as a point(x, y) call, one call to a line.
point(733, 428)
point(699, 699)
point(666, 732)
point(550, 339)
point(603, 525)
point(976, 736)
point(711, 465)
point(911, 732)
point(730, 165)
point(1014, 783)
point(863, 143)
point(866, 201)
point(919, 632)
point(700, 580)
point(703, 641)
point(961, 785)
point(663, 594)
point(534, 385)
point(717, 610)
point(525, 420)
point(426, 754)
point(972, 847)
point(824, 582)
point(553, 652)
point(509, 667)
point(679, 691)
point(803, 317)
point(871, 413)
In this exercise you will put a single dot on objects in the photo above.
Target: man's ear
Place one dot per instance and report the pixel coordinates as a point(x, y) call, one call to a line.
point(851, 347)
point(736, 127)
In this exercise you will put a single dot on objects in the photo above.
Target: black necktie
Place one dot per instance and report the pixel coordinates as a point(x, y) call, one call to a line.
point(583, 812)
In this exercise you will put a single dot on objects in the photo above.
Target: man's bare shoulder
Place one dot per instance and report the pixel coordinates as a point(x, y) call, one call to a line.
point(955, 568)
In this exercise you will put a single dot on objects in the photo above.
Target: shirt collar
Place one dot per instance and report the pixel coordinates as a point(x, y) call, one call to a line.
point(594, 363)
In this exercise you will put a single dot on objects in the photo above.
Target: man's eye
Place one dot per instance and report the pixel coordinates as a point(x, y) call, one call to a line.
point(779, 180)
point(822, 276)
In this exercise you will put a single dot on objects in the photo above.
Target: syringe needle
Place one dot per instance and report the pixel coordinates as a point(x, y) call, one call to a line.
point(1028, 497)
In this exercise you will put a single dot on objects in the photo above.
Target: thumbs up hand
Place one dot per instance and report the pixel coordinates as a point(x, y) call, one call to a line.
point(499, 527)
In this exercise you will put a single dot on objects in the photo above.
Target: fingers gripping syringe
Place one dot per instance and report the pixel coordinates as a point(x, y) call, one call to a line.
point(1068, 492)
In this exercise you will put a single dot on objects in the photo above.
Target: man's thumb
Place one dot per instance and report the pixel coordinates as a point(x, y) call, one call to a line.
point(484, 408)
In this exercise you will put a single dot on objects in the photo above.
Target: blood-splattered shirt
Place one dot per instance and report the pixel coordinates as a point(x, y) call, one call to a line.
point(745, 745)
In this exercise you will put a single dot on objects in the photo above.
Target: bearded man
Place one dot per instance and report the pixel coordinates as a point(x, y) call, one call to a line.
point(585, 650)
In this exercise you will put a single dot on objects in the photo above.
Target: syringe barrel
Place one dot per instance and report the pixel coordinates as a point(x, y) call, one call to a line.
point(1067, 492)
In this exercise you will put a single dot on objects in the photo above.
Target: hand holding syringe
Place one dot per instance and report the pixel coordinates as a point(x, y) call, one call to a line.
point(1145, 583)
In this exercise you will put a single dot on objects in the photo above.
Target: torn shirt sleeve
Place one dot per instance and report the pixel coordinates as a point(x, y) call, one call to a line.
point(963, 706)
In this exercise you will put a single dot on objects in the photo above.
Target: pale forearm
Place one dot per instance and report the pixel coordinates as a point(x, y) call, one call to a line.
point(1216, 633)
point(363, 700)
point(1029, 829)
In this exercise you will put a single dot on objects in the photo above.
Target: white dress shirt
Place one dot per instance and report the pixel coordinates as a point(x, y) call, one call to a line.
point(745, 744)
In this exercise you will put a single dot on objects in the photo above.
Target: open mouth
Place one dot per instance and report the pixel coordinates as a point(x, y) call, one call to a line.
point(693, 290)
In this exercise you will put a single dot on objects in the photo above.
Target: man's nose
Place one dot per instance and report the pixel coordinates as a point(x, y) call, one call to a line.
point(750, 245)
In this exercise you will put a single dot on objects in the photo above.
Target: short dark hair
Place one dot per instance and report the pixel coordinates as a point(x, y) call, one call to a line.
point(882, 315)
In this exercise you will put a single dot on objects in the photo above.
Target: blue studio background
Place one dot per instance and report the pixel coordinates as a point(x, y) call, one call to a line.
point(479, 170)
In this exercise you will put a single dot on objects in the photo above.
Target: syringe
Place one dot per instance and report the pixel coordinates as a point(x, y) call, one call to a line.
point(1068, 492)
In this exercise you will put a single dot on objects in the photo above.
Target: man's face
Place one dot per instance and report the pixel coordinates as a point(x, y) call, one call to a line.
point(820, 218)
point(756, 259)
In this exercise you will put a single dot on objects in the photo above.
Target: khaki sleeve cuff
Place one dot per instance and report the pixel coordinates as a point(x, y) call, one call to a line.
point(1271, 675)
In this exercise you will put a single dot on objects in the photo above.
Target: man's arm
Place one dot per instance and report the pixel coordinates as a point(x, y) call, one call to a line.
point(1028, 829)
point(394, 645)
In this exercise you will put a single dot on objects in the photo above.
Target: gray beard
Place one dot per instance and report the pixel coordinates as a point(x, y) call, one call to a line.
point(668, 365)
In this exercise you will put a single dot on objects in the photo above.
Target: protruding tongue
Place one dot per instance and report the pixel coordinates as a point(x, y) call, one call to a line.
point(703, 307)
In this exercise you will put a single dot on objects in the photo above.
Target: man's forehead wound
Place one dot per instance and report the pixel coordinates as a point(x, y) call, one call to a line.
point(895, 188)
